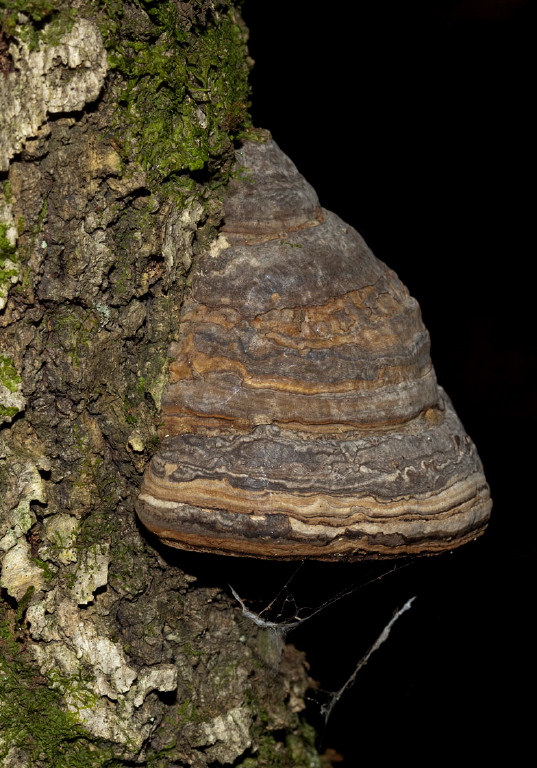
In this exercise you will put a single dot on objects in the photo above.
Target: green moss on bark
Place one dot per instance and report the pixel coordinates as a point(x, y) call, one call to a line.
point(9, 268)
point(35, 11)
point(32, 717)
point(35, 21)
point(9, 377)
point(183, 90)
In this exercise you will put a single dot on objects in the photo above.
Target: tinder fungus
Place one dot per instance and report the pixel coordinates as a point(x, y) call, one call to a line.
point(303, 418)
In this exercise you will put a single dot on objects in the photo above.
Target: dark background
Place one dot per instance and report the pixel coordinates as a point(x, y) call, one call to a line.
point(412, 121)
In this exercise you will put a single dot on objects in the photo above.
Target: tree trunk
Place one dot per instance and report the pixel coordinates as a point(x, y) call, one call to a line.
point(117, 128)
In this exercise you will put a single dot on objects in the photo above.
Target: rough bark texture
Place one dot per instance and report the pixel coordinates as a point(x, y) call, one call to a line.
point(117, 122)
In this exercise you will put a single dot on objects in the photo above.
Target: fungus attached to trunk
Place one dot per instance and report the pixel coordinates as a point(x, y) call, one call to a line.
point(303, 418)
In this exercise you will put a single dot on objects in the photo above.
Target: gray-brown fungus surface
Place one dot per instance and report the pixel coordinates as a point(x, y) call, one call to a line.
point(303, 418)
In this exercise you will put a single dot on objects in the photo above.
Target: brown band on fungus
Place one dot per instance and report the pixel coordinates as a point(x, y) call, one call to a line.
point(302, 418)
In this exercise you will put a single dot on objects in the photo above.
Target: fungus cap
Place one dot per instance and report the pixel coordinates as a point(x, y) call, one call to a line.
point(302, 418)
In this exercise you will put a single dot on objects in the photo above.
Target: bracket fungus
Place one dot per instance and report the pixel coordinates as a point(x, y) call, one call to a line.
point(303, 418)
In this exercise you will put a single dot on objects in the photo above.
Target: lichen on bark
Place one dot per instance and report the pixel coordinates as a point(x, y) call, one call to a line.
point(123, 117)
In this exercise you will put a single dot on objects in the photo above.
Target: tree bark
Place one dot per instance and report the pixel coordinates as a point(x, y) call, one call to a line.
point(117, 128)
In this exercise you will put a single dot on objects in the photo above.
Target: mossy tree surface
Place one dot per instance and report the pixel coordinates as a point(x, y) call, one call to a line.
point(117, 130)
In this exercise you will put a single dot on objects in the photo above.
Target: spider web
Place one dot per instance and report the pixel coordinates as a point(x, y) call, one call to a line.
point(280, 627)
